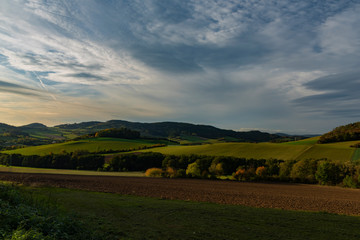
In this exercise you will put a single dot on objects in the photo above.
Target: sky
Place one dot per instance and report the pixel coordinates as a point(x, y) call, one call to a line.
point(272, 65)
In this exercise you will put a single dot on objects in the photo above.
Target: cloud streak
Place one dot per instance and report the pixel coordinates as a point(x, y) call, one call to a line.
point(285, 65)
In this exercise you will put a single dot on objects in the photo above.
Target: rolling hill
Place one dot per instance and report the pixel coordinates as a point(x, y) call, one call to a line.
point(303, 149)
point(349, 132)
point(297, 150)
point(91, 145)
point(39, 134)
point(170, 129)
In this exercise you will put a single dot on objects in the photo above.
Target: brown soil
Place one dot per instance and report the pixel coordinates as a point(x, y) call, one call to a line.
point(267, 195)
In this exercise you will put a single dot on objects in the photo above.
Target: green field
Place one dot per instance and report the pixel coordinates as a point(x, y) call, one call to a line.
point(303, 149)
point(293, 150)
point(91, 145)
point(68, 172)
point(114, 216)
point(246, 150)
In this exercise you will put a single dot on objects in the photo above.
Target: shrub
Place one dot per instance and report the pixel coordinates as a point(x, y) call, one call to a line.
point(216, 169)
point(261, 172)
point(154, 172)
point(249, 174)
point(327, 173)
point(304, 170)
point(22, 216)
point(285, 169)
point(349, 182)
point(171, 172)
point(356, 145)
point(239, 174)
point(273, 167)
point(181, 173)
point(193, 170)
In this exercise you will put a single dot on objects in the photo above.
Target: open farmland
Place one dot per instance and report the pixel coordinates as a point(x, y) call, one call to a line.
point(91, 145)
point(246, 150)
point(282, 196)
point(116, 216)
point(297, 150)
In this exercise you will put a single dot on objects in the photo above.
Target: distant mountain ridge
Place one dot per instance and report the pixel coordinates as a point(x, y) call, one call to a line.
point(172, 129)
point(187, 133)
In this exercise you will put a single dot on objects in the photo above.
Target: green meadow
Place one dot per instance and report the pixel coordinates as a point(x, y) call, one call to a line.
point(297, 150)
point(246, 150)
point(91, 145)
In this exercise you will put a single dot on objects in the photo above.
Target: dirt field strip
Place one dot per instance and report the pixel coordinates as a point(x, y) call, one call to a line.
point(267, 195)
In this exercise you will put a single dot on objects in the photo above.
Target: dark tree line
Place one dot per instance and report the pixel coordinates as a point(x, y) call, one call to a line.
point(81, 160)
point(321, 171)
point(143, 161)
point(113, 133)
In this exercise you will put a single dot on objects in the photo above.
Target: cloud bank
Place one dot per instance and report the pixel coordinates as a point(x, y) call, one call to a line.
point(280, 65)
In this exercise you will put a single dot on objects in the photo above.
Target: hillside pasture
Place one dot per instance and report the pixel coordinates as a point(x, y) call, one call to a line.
point(91, 145)
point(334, 151)
point(298, 150)
point(244, 150)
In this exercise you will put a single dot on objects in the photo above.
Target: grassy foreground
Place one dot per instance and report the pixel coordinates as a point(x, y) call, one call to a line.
point(113, 216)
point(25, 217)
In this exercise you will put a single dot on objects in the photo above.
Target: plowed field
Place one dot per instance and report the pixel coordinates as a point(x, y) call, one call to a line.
point(267, 195)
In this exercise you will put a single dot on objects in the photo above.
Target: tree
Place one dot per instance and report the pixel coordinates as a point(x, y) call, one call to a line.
point(327, 173)
point(193, 170)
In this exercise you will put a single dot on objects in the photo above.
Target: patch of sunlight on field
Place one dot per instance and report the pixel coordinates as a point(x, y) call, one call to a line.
point(245, 150)
point(332, 151)
point(68, 172)
point(286, 151)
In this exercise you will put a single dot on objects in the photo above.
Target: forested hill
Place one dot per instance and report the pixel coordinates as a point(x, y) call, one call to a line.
point(172, 129)
point(349, 132)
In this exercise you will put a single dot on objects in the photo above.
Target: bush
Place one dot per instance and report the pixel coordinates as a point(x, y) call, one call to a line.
point(285, 169)
point(171, 172)
point(328, 173)
point(304, 170)
point(250, 174)
point(216, 169)
point(349, 182)
point(193, 170)
point(154, 172)
point(239, 174)
point(261, 172)
point(273, 167)
point(24, 217)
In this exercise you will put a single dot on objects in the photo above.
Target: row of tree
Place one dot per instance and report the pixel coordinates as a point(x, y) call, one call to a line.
point(81, 160)
point(321, 171)
point(113, 133)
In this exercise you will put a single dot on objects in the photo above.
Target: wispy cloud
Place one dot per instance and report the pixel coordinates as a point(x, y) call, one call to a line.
point(235, 64)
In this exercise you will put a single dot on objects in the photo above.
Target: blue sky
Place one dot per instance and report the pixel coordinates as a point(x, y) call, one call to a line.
point(287, 66)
